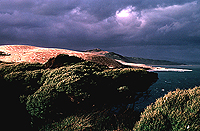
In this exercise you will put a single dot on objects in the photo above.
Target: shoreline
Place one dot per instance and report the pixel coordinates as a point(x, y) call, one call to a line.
point(162, 69)
point(154, 69)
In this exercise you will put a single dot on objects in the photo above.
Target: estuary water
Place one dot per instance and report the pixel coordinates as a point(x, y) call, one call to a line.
point(169, 81)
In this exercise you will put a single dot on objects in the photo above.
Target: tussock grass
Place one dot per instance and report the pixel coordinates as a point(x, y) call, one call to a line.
point(178, 110)
point(71, 123)
point(98, 119)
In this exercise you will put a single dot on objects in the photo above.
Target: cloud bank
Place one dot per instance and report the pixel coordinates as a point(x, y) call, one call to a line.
point(78, 24)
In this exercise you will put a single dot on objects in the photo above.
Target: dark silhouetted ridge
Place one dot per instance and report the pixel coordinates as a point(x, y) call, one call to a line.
point(62, 60)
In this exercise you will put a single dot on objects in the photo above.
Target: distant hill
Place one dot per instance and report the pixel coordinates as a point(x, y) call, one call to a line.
point(32, 54)
point(136, 60)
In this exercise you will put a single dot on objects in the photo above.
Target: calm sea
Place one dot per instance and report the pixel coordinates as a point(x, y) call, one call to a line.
point(170, 81)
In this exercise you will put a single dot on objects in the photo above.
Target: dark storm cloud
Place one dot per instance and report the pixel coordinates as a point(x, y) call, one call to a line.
point(76, 23)
point(54, 7)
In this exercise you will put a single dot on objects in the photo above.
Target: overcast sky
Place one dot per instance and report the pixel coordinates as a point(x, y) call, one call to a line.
point(163, 29)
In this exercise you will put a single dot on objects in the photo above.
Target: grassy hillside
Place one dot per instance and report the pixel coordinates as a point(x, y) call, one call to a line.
point(65, 86)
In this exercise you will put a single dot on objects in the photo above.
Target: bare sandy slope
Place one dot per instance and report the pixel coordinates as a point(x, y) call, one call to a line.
point(24, 53)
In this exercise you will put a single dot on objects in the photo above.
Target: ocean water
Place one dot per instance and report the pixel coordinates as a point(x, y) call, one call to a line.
point(169, 81)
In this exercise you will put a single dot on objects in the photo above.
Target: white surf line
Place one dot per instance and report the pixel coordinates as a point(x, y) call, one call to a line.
point(159, 69)
point(134, 65)
point(153, 69)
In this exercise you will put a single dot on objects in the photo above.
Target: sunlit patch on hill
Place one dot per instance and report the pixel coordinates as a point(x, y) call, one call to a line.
point(24, 53)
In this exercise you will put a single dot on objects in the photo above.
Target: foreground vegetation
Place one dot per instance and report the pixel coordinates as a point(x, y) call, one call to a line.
point(178, 110)
point(68, 93)
point(65, 86)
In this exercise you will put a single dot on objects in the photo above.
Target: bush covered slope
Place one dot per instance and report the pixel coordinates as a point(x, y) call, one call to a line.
point(178, 110)
point(68, 93)
point(65, 87)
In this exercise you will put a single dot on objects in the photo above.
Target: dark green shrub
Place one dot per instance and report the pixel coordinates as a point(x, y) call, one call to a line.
point(62, 60)
point(48, 92)
point(26, 82)
point(85, 83)
point(178, 110)
point(72, 83)
point(17, 67)
point(39, 103)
